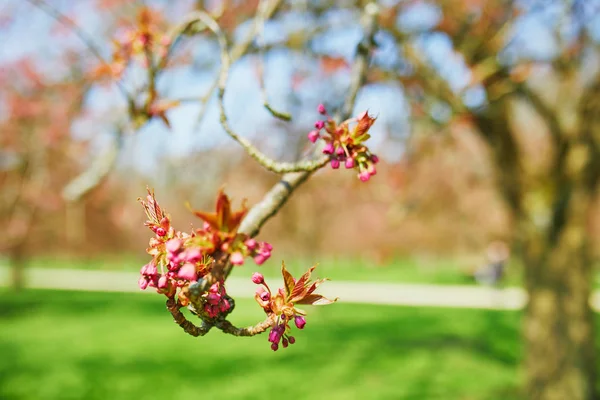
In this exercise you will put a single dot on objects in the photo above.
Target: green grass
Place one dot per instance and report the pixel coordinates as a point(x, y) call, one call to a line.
point(74, 345)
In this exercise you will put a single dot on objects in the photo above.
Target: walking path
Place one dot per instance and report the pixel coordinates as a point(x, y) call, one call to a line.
point(454, 296)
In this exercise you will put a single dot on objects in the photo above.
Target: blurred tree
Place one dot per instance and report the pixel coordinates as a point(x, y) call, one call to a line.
point(549, 178)
point(34, 142)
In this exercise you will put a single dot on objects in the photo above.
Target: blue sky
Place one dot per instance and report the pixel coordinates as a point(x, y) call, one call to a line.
point(29, 35)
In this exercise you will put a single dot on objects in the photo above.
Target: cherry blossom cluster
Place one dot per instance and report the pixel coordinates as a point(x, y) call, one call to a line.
point(281, 305)
point(346, 145)
point(180, 259)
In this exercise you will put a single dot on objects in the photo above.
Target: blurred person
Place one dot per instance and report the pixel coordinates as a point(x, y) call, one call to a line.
point(492, 272)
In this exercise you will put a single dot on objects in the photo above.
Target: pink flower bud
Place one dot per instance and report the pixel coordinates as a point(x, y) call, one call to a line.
point(374, 158)
point(259, 259)
point(144, 269)
point(371, 170)
point(161, 232)
point(335, 163)
point(267, 246)
point(328, 149)
point(250, 244)
point(299, 321)
point(193, 255)
point(313, 136)
point(151, 269)
point(188, 272)
point(237, 258)
point(291, 339)
point(224, 306)
point(162, 282)
point(274, 346)
point(143, 282)
point(321, 109)
point(174, 245)
point(284, 342)
point(349, 164)
point(213, 298)
point(364, 176)
point(319, 124)
point(265, 296)
point(275, 334)
point(214, 288)
point(258, 278)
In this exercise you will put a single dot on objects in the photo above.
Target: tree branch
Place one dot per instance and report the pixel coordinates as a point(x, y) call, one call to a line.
point(182, 321)
point(228, 327)
point(96, 173)
point(279, 194)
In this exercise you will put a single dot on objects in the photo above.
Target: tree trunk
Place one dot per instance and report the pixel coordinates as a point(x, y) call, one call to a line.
point(559, 322)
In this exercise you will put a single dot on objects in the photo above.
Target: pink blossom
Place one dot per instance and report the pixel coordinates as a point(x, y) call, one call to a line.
point(237, 258)
point(143, 282)
point(188, 272)
point(335, 163)
point(328, 149)
point(162, 282)
point(259, 259)
point(251, 244)
point(213, 298)
point(174, 245)
point(299, 321)
point(364, 176)
point(193, 255)
point(319, 124)
point(321, 109)
point(349, 163)
point(258, 278)
point(371, 170)
point(313, 136)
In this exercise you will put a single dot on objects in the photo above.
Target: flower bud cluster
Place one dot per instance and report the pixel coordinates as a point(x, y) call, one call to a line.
point(180, 259)
point(283, 309)
point(215, 300)
point(345, 145)
point(278, 334)
point(259, 251)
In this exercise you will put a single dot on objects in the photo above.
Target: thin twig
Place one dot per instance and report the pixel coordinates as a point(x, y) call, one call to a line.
point(268, 163)
point(260, 22)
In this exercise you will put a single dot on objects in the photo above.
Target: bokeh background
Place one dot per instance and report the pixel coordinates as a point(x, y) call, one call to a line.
point(72, 165)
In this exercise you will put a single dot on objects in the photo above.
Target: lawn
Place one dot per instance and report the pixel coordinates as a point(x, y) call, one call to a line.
point(75, 345)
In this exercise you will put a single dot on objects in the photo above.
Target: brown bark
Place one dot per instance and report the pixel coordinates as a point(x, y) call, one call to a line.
point(559, 322)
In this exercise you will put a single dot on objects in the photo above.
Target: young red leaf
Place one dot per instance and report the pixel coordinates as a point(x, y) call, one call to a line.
point(300, 287)
point(288, 280)
point(316, 300)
